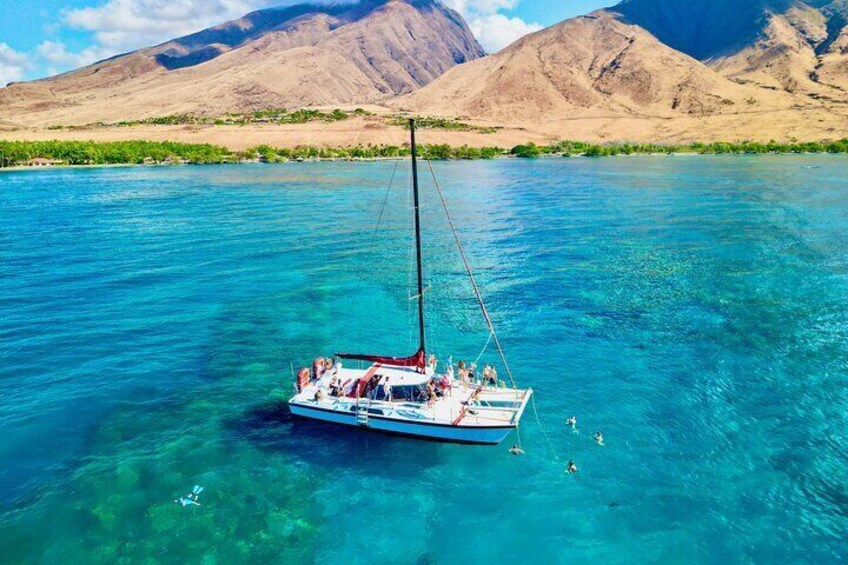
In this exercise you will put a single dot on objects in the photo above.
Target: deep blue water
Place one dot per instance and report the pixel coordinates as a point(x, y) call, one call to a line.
point(691, 308)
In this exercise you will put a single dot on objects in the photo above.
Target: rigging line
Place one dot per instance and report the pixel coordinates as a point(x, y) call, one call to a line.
point(468, 270)
point(370, 249)
point(485, 347)
point(541, 427)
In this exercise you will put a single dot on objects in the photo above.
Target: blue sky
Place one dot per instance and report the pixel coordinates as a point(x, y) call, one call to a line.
point(45, 37)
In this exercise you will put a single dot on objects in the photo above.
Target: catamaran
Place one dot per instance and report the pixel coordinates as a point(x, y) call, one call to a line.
point(409, 395)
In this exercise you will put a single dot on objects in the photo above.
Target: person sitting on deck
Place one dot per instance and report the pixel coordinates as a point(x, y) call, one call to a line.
point(328, 365)
point(431, 393)
point(335, 386)
point(444, 384)
point(319, 395)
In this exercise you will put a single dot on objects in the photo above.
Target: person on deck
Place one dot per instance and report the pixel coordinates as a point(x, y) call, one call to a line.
point(318, 367)
point(445, 385)
point(431, 393)
point(387, 390)
point(335, 387)
point(463, 372)
point(486, 372)
point(432, 362)
point(493, 375)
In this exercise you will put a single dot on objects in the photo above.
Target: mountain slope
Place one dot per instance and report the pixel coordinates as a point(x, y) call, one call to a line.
point(585, 66)
point(785, 44)
point(286, 57)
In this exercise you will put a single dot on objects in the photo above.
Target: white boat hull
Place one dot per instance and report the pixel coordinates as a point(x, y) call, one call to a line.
point(491, 435)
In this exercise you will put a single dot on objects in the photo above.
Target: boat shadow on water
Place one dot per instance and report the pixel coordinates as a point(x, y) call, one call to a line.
point(271, 426)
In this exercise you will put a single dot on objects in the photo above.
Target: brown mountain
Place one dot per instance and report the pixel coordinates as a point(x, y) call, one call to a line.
point(665, 69)
point(298, 56)
point(794, 45)
point(645, 70)
point(584, 66)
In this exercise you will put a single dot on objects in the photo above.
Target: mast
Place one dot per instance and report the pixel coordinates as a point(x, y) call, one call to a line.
point(417, 238)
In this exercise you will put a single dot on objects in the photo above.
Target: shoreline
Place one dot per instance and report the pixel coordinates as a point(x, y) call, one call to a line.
point(30, 168)
point(23, 155)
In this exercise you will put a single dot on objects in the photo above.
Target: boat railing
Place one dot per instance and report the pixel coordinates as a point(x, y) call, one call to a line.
point(526, 398)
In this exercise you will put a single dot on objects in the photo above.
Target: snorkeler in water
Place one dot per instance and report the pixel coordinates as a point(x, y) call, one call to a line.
point(572, 468)
point(191, 498)
point(599, 439)
point(516, 450)
point(572, 421)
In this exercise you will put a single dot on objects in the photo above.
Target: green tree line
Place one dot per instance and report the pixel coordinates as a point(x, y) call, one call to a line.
point(138, 152)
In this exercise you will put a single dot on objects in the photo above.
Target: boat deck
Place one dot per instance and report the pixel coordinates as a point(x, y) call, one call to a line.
point(463, 404)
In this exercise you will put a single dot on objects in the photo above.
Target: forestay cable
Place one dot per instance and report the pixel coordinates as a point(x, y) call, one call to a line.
point(470, 273)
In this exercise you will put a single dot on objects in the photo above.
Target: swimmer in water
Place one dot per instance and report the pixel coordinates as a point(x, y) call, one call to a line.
point(572, 421)
point(599, 439)
point(515, 450)
point(191, 498)
point(572, 468)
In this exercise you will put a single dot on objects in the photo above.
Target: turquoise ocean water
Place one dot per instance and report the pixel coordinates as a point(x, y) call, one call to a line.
point(691, 308)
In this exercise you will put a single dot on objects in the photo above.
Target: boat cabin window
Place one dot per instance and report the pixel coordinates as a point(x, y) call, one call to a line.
point(411, 393)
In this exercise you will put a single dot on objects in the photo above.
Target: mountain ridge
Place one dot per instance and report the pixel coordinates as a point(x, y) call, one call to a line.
point(304, 55)
point(648, 70)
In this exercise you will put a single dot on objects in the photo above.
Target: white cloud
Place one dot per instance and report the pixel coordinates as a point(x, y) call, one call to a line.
point(123, 25)
point(120, 26)
point(493, 29)
point(12, 65)
point(59, 59)
point(496, 31)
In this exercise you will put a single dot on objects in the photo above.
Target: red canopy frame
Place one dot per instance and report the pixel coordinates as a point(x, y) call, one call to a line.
point(416, 360)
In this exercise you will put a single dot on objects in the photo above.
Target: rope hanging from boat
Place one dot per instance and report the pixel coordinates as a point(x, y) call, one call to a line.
point(470, 273)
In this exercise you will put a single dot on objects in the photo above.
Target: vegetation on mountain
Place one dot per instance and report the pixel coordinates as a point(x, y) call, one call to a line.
point(439, 123)
point(280, 116)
